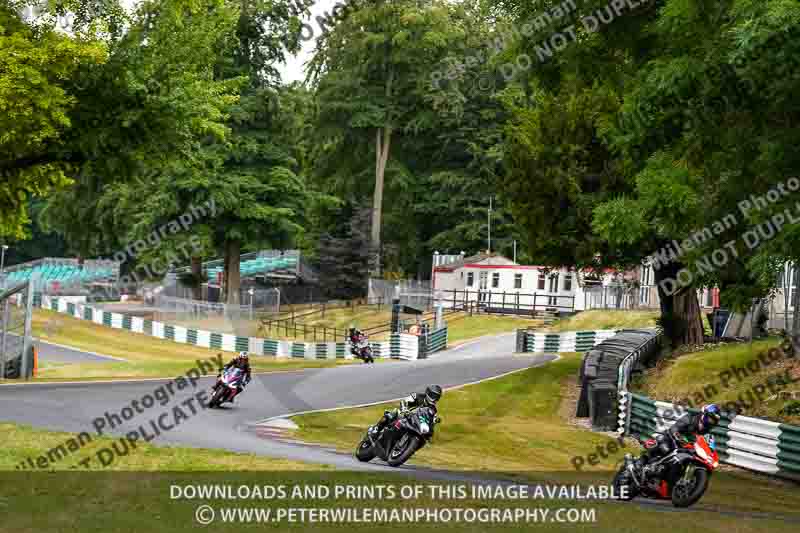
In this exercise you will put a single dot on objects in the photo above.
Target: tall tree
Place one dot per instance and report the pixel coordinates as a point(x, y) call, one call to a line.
point(372, 73)
point(39, 71)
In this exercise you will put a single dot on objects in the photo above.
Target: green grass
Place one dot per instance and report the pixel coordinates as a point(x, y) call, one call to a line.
point(606, 319)
point(21, 442)
point(144, 356)
point(701, 374)
point(144, 502)
point(512, 425)
point(135, 493)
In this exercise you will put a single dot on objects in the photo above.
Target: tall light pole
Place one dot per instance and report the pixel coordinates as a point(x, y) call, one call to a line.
point(489, 220)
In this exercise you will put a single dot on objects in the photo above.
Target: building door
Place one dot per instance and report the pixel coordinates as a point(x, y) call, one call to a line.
point(483, 283)
point(553, 289)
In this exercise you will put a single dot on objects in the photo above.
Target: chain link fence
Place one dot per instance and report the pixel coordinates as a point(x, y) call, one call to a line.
point(16, 347)
point(411, 292)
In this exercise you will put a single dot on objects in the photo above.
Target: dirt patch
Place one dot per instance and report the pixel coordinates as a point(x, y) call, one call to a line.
point(570, 393)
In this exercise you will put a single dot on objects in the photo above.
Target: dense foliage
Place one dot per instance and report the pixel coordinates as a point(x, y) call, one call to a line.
point(600, 136)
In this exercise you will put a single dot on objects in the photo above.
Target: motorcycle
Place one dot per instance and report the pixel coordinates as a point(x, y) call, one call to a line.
point(681, 476)
point(226, 387)
point(398, 441)
point(362, 350)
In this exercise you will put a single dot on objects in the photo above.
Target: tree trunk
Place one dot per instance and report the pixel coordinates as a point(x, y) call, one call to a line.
point(197, 273)
point(795, 296)
point(383, 139)
point(681, 318)
point(232, 274)
point(795, 299)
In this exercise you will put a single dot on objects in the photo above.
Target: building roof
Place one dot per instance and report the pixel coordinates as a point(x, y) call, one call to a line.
point(473, 260)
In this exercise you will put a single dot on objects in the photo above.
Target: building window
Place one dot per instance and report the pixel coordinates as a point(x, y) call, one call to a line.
point(495, 280)
point(542, 278)
point(568, 282)
point(470, 279)
point(517, 281)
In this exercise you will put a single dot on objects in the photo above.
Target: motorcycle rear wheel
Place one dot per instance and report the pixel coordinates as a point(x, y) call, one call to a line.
point(365, 451)
point(398, 456)
point(687, 496)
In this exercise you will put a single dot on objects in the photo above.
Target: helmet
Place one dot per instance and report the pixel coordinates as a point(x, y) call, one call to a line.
point(433, 394)
point(711, 414)
point(243, 357)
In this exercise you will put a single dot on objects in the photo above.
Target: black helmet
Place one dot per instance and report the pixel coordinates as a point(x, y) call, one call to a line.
point(433, 393)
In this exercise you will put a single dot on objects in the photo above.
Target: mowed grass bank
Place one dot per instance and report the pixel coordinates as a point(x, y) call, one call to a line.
point(145, 502)
point(144, 356)
point(514, 427)
point(710, 376)
point(21, 442)
point(606, 319)
point(138, 493)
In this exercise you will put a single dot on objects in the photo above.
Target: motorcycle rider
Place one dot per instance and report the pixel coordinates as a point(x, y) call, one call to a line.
point(415, 400)
point(241, 361)
point(682, 431)
point(357, 337)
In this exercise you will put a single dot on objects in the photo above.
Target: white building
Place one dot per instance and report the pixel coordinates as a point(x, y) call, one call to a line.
point(500, 283)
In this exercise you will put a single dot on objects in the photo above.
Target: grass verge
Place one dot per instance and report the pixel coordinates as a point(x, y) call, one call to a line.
point(21, 442)
point(725, 374)
point(144, 356)
point(606, 319)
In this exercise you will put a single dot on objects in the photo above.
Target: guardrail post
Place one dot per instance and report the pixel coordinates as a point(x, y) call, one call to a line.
point(521, 344)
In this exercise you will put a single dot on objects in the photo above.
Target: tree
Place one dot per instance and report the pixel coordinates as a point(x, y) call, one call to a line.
point(147, 108)
point(38, 71)
point(345, 256)
point(372, 72)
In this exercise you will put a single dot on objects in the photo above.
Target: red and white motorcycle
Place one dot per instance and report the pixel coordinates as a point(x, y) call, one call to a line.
point(681, 476)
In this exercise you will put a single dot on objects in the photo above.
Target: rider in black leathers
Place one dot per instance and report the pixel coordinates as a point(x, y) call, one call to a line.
point(683, 430)
point(428, 398)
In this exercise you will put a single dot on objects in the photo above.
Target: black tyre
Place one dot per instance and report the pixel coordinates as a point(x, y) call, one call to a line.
point(622, 481)
point(365, 451)
point(216, 398)
point(686, 494)
point(403, 449)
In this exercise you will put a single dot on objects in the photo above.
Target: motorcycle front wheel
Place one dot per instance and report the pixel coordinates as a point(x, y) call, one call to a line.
point(216, 398)
point(403, 449)
point(622, 480)
point(365, 451)
point(686, 493)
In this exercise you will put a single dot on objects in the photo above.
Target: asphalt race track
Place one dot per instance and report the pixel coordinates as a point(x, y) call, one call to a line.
point(73, 406)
